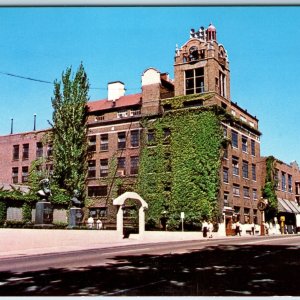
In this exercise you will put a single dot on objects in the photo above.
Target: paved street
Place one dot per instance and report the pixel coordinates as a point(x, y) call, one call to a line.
point(230, 266)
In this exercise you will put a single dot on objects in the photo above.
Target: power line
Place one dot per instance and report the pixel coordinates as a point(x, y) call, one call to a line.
point(27, 78)
point(48, 82)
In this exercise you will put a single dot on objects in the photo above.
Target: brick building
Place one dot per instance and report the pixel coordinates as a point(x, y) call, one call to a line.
point(287, 188)
point(201, 68)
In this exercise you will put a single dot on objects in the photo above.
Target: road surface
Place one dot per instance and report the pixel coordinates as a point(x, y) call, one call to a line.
point(235, 266)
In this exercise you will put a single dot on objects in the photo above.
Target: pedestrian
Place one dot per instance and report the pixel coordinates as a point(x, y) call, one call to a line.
point(90, 222)
point(267, 227)
point(238, 228)
point(210, 229)
point(99, 224)
point(204, 228)
point(253, 228)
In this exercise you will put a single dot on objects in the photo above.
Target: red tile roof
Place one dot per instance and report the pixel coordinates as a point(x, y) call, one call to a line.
point(128, 100)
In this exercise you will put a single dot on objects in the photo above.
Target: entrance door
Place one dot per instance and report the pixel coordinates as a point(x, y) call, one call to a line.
point(228, 224)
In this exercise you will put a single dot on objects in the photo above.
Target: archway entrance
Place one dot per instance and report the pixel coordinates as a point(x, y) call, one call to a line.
point(120, 202)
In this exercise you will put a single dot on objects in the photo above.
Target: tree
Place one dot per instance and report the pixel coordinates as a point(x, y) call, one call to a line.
point(70, 130)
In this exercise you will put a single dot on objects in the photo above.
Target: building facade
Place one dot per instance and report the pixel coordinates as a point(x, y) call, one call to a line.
point(202, 75)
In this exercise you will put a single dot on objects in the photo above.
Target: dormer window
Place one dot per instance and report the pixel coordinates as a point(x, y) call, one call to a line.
point(122, 114)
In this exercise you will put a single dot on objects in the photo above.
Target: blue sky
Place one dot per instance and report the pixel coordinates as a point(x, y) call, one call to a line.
point(263, 44)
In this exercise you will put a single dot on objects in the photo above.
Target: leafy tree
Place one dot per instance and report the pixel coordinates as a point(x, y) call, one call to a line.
point(70, 130)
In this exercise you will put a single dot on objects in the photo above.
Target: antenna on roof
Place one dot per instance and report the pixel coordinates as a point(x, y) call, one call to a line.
point(11, 126)
point(34, 122)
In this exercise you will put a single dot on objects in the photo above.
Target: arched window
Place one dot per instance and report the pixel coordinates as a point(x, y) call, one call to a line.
point(193, 53)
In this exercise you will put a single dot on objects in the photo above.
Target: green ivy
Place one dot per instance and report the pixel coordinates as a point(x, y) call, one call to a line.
point(26, 212)
point(178, 101)
point(2, 212)
point(180, 173)
point(269, 189)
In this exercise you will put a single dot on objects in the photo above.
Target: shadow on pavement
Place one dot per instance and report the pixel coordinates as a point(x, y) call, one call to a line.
point(214, 271)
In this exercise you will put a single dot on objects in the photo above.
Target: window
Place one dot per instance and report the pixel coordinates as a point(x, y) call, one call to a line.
point(121, 140)
point(236, 189)
point(135, 138)
point(194, 81)
point(290, 189)
point(39, 149)
point(276, 179)
point(151, 136)
point(254, 194)
point(49, 150)
point(222, 79)
point(92, 143)
point(134, 164)
point(242, 118)
point(253, 147)
point(16, 149)
point(245, 169)
point(98, 212)
point(235, 166)
point(122, 114)
point(246, 192)
point(121, 166)
point(244, 144)
point(247, 215)
point(224, 131)
point(104, 142)
point(283, 181)
point(167, 134)
point(95, 191)
point(253, 172)
point(91, 169)
point(234, 139)
point(226, 198)
point(103, 167)
point(225, 175)
point(24, 174)
point(135, 112)
point(15, 175)
point(25, 155)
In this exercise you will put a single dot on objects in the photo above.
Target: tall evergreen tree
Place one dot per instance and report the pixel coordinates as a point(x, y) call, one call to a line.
point(70, 129)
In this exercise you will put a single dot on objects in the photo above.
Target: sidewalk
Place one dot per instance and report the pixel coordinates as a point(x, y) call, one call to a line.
point(20, 242)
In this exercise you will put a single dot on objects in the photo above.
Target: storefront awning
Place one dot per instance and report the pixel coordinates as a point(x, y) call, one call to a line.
point(285, 205)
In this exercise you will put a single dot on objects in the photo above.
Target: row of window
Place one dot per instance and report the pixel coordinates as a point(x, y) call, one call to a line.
point(25, 173)
point(121, 114)
point(121, 167)
point(236, 170)
point(246, 145)
point(25, 151)
point(104, 141)
point(236, 191)
point(286, 181)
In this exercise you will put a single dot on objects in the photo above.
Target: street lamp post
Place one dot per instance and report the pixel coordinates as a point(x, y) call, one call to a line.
point(261, 205)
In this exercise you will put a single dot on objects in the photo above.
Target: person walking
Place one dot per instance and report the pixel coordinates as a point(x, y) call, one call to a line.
point(238, 228)
point(210, 229)
point(204, 228)
point(253, 228)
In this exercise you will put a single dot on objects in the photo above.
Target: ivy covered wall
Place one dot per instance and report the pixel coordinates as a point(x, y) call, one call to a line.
point(269, 189)
point(179, 168)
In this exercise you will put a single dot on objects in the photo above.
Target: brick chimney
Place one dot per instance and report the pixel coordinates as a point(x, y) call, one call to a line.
point(115, 90)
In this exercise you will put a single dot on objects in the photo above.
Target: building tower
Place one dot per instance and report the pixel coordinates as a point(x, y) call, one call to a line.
point(201, 65)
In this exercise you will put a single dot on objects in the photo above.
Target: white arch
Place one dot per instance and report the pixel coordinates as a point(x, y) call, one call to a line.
point(120, 202)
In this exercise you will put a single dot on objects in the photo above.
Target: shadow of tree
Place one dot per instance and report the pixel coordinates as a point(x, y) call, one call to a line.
point(214, 271)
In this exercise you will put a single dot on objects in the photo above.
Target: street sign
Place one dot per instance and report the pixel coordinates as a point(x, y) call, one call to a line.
point(182, 215)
